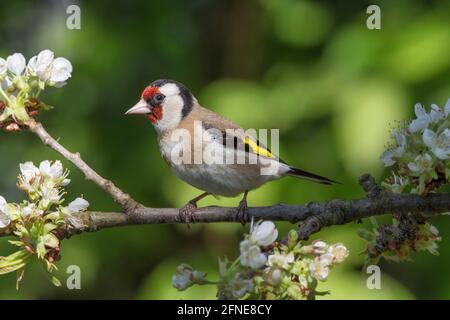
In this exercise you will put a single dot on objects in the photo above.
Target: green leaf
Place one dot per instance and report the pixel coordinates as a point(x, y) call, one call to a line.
point(19, 278)
point(17, 243)
point(56, 281)
point(374, 222)
point(365, 234)
point(40, 248)
point(434, 174)
point(48, 227)
point(14, 261)
point(50, 240)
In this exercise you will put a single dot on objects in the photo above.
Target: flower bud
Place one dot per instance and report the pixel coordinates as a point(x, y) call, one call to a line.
point(319, 247)
point(277, 276)
point(263, 233)
point(292, 238)
point(12, 127)
point(339, 252)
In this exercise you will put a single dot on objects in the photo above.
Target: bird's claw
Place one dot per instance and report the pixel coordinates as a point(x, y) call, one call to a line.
point(242, 212)
point(186, 214)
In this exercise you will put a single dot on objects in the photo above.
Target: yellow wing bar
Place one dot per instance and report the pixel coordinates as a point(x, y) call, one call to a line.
point(257, 149)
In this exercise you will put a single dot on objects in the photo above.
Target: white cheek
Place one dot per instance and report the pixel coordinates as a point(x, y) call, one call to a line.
point(169, 89)
point(171, 117)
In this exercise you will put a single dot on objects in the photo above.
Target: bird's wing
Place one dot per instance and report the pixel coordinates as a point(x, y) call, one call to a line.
point(233, 136)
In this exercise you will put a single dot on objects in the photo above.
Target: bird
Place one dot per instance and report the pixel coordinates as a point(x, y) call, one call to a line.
point(203, 148)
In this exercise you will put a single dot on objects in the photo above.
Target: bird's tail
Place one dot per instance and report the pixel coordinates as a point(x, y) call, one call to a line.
point(309, 176)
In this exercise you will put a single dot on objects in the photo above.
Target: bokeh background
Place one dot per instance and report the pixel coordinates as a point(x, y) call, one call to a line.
point(310, 68)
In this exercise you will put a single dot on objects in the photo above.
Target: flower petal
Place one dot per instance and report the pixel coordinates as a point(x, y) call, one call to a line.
point(387, 158)
point(420, 110)
point(447, 108)
point(61, 71)
point(3, 67)
point(418, 125)
point(28, 169)
point(5, 219)
point(56, 170)
point(436, 114)
point(79, 204)
point(16, 63)
point(44, 168)
point(429, 138)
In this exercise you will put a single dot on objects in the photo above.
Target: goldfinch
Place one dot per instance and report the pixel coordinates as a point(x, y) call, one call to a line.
point(203, 149)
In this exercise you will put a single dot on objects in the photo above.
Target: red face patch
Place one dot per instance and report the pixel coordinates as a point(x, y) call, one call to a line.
point(149, 92)
point(156, 115)
point(157, 112)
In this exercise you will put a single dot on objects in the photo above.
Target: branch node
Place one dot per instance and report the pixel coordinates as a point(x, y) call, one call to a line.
point(370, 187)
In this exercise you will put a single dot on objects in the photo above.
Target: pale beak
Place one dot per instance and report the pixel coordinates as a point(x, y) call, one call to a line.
point(139, 108)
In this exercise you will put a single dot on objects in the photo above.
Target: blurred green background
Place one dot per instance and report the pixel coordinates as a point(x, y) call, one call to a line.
point(310, 68)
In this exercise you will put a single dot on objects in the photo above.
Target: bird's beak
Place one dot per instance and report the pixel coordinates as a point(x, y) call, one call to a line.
point(139, 108)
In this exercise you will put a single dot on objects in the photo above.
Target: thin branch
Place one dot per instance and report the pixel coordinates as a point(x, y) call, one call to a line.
point(122, 198)
point(314, 215)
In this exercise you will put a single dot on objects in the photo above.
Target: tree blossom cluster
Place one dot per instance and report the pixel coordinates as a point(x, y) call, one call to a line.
point(420, 152)
point(22, 82)
point(267, 269)
point(420, 159)
point(37, 220)
point(396, 242)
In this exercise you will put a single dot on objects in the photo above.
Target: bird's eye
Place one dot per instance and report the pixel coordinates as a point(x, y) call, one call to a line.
point(158, 98)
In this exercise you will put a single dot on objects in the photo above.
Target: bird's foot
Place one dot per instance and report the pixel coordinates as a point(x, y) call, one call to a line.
point(186, 214)
point(242, 212)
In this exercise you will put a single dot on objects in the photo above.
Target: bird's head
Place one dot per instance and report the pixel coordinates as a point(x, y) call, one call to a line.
point(165, 103)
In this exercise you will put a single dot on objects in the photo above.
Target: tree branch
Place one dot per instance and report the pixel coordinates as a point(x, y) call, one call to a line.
point(315, 215)
point(122, 198)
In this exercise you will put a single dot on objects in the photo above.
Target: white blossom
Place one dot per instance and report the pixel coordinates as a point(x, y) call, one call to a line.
point(29, 209)
point(388, 157)
point(5, 218)
point(279, 260)
point(436, 114)
point(16, 63)
point(53, 171)
point(42, 65)
point(78, 205)
point(263, 233)
point(422, 120)
point(182, 279)
point(319, 268)
point(186, 276)
point(433, 230)
point(27, 178)
point(3, 68)
point(251, 255)
point(180, 282)
point(423, 163)
point(28, 170)
point(338, 252)
point(49, 193)
point(439, 145)
point(61, 71)
point(240, 286)
point(433, 248)
point(447, 108)
point(319, 247)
